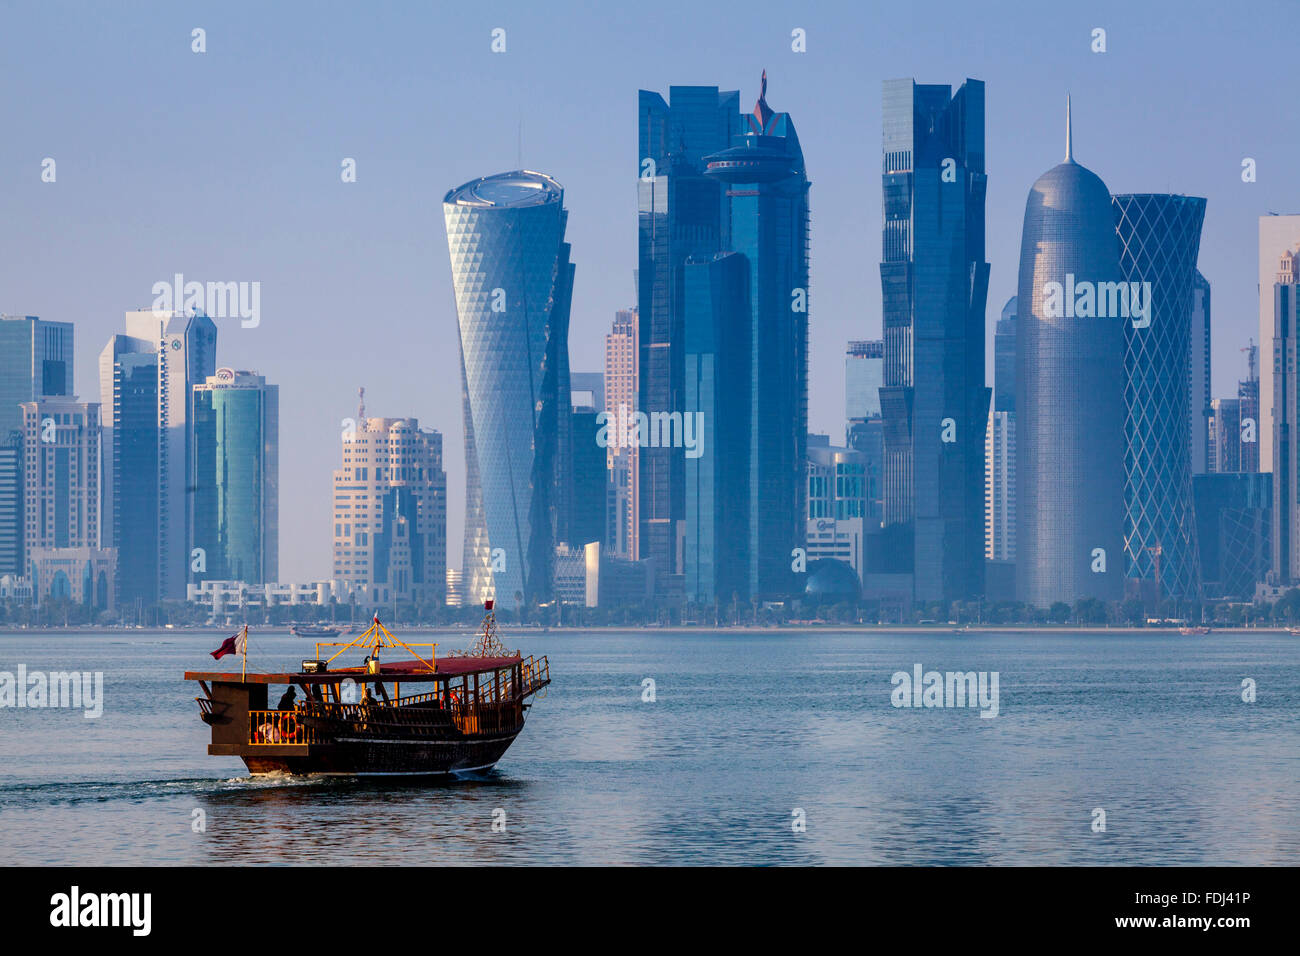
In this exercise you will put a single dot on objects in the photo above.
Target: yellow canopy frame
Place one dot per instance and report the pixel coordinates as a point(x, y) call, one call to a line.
point(375, 637)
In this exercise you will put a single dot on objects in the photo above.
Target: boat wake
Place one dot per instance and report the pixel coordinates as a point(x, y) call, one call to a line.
point(72, 793)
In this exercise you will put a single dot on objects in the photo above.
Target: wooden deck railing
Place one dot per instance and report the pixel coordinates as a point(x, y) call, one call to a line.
point(278, 727)
point(497, 707)
point(537, 674)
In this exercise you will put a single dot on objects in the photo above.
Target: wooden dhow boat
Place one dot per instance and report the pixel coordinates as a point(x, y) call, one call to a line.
point(465, 711)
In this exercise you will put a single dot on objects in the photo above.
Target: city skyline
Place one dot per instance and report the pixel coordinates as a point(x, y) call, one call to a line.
point(316, 334)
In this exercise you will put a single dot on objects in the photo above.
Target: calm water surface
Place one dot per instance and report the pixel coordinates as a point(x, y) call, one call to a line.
point(745, 728)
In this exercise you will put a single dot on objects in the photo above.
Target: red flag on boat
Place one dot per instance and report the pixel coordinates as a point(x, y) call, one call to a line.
point(231, 645)
point(487, 605)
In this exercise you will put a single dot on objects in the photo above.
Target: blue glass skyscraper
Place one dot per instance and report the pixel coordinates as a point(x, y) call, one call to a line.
point(1159, 237)
point(513, 281)
point(681, 213)
point(235, 500)
point(767, 221)
point(145, 380)
point(1069, 393)
point(934, 283)
point(863, 375)
point(718, 375)
point(36, 359)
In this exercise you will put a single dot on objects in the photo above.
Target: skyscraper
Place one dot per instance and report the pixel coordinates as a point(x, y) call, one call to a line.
point(11, 504)
point(767, 221)
point(1277, 235)
point(36, 359)
point(1248, 397)
point(235, 417)
point(864, 374)
point(681, 213)
point(390, 512)
point(1000, 444)
point(1200, 383)
point(1159, 238)
point(1286, 407)
point(622, 525)
point(718, 376)
point(1225, 436)
point(146, 380)
point(513, 280)
point(131, 478)
point(934, 283)
point(590, 500)
point(61, 448)
point(1069, 393)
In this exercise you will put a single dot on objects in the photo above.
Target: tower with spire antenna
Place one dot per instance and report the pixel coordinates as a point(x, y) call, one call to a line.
point(1069, 132)
point(766, 187)
point(1070, 460)
point(716, 181)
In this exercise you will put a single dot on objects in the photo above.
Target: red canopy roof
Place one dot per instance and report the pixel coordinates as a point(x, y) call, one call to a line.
point(408, 669)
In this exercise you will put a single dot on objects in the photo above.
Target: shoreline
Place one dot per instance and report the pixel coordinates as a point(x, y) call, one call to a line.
point(469, 630)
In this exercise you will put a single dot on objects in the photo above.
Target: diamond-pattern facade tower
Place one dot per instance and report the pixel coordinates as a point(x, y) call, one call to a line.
point(1159, 238)
point(513, 281)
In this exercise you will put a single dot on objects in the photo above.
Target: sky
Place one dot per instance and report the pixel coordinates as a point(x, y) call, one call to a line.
point(225, 166)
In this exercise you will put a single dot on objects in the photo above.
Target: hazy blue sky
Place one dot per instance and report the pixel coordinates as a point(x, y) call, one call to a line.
point(225, 166)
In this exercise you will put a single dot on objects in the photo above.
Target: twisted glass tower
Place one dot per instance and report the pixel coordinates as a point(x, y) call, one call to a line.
point(513, 280)
point(1069, 393)
point(1159, 237)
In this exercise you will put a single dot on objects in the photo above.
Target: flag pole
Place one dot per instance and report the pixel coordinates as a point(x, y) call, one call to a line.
point(243, 675)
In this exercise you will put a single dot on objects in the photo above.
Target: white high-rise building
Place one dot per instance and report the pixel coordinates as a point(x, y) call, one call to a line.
point(621, 526)
point(61, 453)
point(390, 512)
point(1000, 444)
point(1000, 487)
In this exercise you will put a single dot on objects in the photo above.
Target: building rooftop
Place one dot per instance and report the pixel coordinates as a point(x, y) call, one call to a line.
point(511, 190)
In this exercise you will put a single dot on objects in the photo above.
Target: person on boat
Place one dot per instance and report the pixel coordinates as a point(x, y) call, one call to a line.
point(287, 701)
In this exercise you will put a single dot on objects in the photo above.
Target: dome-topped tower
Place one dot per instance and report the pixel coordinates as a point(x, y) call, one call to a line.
point(1070, 391)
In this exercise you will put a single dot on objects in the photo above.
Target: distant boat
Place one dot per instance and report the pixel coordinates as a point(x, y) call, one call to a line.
point(314, 630)
point(1199, 629)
